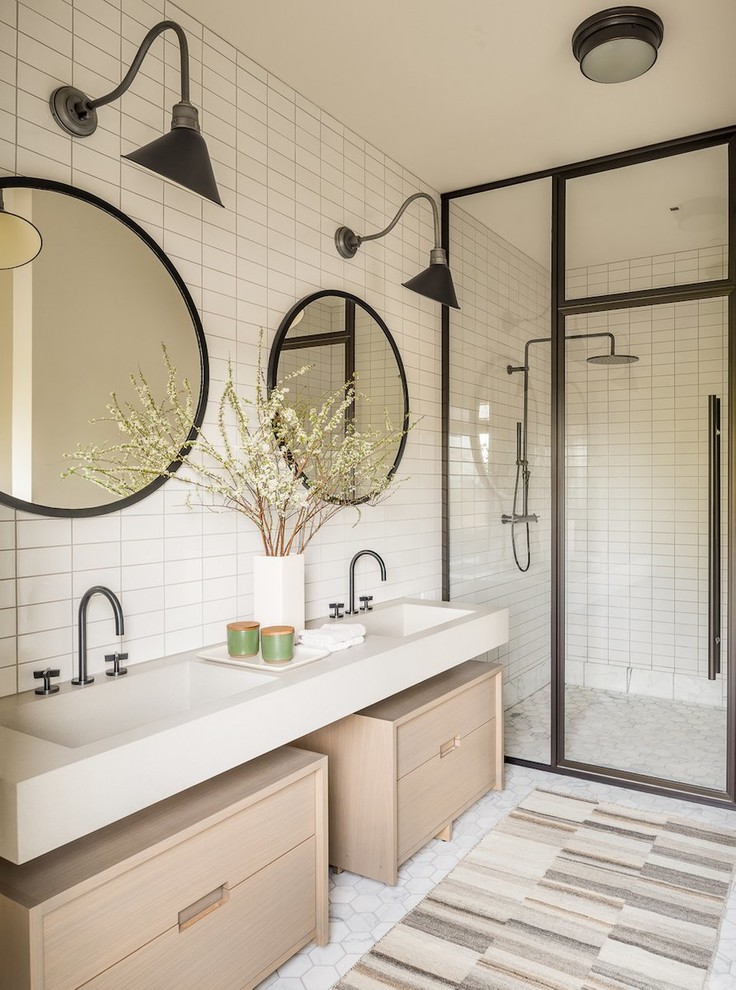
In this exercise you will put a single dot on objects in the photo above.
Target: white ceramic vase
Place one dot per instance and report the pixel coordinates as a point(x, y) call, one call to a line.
point(278, 591)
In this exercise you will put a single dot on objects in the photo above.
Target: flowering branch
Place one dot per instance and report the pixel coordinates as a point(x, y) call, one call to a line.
point(287, 469)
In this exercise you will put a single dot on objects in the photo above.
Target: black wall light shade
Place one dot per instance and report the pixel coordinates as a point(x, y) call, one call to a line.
point(180, 156)
point(618, 44)
point(434, 282)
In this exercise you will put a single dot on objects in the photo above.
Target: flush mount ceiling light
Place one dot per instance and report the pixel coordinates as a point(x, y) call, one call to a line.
point(618, 44)
point(434, 282)
point(20, 240)
point(180, 156)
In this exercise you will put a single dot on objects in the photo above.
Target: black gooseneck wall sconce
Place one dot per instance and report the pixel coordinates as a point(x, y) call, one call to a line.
point(434, 282)
point(618, 44)
point(181, 155)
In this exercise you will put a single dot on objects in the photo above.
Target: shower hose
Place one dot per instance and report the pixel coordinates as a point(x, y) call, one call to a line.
point(525, 567)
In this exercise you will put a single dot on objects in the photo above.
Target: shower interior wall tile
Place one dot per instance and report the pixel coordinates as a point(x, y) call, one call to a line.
point(289, 175)
point(504, 298)
point(636, 455)
point(637, 452)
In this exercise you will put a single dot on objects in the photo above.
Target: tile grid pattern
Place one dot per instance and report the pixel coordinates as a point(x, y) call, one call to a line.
point(637, 510)
point(289, 174)
point(659, 737)
point(504, 296)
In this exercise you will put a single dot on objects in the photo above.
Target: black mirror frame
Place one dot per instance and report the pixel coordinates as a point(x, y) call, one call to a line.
point(50, 185)
point(277, 346)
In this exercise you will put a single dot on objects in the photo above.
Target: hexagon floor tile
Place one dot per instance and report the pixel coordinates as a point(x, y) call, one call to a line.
point(362, 911)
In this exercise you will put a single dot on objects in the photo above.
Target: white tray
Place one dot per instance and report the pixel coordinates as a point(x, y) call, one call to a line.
point(302, 655)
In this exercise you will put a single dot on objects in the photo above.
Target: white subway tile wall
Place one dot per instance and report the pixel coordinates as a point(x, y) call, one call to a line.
point(289, 174)
point(637, 499)
point(504, 299)
point(675, 268)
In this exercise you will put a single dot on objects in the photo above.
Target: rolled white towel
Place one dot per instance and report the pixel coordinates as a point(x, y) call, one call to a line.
point(336, 647)
point(332, 633)
point(332, 646)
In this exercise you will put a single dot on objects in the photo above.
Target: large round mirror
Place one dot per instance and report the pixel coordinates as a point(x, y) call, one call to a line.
point(95, 305)
point(340, 338)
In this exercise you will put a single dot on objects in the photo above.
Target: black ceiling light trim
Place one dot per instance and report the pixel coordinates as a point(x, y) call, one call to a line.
point(618, 44)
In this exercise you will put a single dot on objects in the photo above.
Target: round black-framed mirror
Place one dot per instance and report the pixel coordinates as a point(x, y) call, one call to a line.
point(336, 334)
point(95, 305)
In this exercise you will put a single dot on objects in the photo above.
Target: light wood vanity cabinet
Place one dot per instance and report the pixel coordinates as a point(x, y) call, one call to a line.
point(403, 769)
point(214, 887)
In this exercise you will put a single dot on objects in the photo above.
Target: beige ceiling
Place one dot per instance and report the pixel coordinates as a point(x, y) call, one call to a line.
point(473, 90)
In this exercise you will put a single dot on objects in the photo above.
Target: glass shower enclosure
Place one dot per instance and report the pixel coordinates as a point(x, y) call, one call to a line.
point(588, 423)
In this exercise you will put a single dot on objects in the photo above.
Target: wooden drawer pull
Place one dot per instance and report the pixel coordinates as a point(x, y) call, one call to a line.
point(204, 906)
point(450, 746)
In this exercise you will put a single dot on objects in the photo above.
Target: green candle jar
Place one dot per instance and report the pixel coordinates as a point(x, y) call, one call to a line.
point(277, 644)
point(242, 639)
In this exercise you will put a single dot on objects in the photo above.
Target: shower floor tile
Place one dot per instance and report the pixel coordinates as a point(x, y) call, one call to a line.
point(654, 736)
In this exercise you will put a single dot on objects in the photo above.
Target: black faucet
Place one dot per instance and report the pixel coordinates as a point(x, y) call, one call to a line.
point(351, 610)
point(82, 676)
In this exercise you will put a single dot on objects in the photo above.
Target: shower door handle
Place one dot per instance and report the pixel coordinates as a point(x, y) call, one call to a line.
point(714, 536)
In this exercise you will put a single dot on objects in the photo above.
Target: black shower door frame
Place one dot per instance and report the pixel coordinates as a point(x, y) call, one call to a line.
point(561, 308)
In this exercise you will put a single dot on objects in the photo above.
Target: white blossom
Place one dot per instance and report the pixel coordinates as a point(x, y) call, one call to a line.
point(287, 469)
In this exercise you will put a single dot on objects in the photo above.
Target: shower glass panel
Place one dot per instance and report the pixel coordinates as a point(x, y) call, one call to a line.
point(658, 223)
point(639, 472)
point(500, 440)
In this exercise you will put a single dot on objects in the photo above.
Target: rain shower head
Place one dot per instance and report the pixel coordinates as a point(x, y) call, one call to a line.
point(613, 359)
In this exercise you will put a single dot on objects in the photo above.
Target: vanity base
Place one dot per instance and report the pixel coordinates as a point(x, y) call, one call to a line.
point(216, 886)
point(403, 770)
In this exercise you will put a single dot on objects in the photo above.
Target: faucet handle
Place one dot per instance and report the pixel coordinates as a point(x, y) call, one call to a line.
point(47, 674)
point(366, 607)
point(336, 610)
point(116, 659)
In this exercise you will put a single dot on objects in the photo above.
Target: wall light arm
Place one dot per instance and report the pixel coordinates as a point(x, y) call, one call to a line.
point(348, 242)
point(132, 72)
point(402, 208)
point(76, 113)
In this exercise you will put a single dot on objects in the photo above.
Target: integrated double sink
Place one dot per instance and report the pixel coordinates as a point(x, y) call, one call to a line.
point(80, 759)
point(150, 693)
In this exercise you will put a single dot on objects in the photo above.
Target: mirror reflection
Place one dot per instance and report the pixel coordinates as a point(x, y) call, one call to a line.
point(340, 337)
point(657, 223)
point(97, 303)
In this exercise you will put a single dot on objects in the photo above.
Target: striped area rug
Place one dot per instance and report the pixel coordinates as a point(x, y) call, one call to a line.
point(566, 894)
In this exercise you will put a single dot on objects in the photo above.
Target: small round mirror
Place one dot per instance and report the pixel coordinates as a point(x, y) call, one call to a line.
point(340, 339)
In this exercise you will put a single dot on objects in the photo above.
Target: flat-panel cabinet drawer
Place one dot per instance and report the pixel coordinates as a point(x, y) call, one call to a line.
point(95, 930)
point(233, 947)
point(426, 736)
point(431, 795)
point(401, 770)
